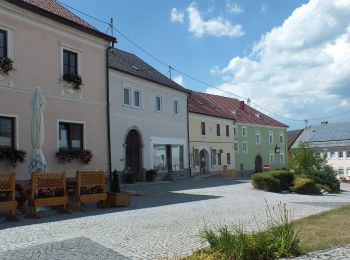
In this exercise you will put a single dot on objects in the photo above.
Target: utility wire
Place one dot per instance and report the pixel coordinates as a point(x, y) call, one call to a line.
point(189, 76)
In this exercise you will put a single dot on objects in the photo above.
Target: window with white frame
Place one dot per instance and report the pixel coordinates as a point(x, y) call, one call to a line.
point(281, 138)
point(244, 131)
point(341, 171)
point(70, 62)
point(228, 158)
point(235, 131)
point(257, 137)
point(126, 96)
point(281, 157)
point(271, 137)
point(245, 147)
point(347, 154)
point(332, 155)
point(272, 158)
point(340, 155)
point(348, 172)
point(3, 44)
point(158, 104)
point(71, 135)
point(213, 157)
point(137, 98)
point(7, 132)
point(176, 106)
point(219, 158)
point(236, 146)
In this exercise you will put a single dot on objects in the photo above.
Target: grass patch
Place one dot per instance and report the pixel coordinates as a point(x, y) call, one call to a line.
point(325, 230)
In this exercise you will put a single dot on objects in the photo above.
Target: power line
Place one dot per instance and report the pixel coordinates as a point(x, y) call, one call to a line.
point(189, 76)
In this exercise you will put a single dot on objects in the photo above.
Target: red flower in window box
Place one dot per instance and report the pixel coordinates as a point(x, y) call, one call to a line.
point(6, 65)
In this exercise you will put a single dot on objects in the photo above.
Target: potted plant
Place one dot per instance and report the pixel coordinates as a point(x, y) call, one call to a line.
point(116, 198)
point(14, 156)
point(6, 65)
point(151, 175)
point(67, 155)
point(75, 80)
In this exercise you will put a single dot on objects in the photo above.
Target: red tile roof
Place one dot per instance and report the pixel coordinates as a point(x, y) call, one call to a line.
point(229, 108)
point(53, 10)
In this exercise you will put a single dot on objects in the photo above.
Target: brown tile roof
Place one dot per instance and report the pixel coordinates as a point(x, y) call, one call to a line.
point(53, 10)
point(292, 136)
point(229, 108)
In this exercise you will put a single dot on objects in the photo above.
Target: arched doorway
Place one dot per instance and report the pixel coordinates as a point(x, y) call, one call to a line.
point(204, 161)
point(133, 146)
point(258, 163)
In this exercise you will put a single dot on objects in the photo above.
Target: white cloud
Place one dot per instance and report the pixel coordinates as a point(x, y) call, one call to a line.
point(177, 16)
point(263, 8)
point(217, 26)
point(301, 68)
point(233, 8)
point(179, 80)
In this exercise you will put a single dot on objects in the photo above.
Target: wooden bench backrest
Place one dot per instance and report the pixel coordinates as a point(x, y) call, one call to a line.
point(8, 183)
point(48, 181)
point(90, 179)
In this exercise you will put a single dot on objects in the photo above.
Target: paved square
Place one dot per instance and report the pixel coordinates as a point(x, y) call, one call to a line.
point(164, 221)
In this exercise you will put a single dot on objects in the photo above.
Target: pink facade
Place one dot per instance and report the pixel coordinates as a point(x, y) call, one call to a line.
point(36, 45)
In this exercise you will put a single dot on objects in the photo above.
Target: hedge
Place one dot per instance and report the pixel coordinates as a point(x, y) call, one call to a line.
point(304, 185)
point(275, 181)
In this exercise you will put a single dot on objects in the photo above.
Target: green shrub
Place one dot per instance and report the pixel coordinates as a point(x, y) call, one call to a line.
point(326, 175)
point(324, 187)
point(285, 178)
point(265, 181)
point(151, 175)
point(304, 185)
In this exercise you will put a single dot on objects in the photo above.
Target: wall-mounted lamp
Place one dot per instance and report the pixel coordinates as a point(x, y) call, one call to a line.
point(277, 149)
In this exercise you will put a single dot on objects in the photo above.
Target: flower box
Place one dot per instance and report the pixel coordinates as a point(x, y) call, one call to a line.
point(119, 199)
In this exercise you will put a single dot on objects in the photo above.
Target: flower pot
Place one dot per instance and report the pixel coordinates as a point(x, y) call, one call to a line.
point(120, 199)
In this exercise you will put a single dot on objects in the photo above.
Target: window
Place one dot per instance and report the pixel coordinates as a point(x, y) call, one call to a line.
point(244, 131)
point(126, 94)
point(245, 147)
point(7, 132)
point(348, 172)
point(272, 158)
point(348, 155)
point(341, 155)
point(227, 130)
point(137, 98)
point(70, 62)
point(203, 128)
point(257, 137)
point(158, 103)
point(281, 157)
point(71, 136)
point(218, 130)
point(235, 131)
point(196, 157)
point(219, 158)
point(213, 157)
point(270, 137)
point(235, 146)
point(168, 157)
point(341, 171)
point(3, 44)
point(332, 155)
point(176, 106)
point(281, 139)
point(228, 158)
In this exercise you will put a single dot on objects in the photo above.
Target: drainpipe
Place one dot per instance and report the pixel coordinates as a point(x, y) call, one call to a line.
point(188, 138)
point(108, 120)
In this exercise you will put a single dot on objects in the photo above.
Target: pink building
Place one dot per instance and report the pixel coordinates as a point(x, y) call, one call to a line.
point(50, 46)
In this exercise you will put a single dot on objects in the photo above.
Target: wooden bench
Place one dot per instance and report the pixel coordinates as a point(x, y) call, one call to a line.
point(8, 186)
point(90, 188)
point(48, 189)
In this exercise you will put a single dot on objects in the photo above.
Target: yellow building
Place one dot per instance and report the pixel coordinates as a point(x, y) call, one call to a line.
point(211, 144)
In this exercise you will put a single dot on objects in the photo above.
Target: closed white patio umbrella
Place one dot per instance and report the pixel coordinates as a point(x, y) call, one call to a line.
point(37, 160)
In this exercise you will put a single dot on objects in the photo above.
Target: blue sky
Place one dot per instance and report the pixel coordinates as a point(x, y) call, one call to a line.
point(290, 57)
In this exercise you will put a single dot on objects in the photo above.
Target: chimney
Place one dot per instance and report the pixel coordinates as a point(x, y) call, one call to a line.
point(324, 123)
point(241, 105)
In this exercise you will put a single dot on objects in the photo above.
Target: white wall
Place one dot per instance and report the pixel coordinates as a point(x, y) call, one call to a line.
point(151, 125)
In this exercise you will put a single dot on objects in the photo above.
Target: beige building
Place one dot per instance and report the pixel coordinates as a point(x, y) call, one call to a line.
point(46, 43)
point(211, 144)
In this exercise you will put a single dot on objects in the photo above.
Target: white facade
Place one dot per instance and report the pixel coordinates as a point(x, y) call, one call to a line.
point(158, 113)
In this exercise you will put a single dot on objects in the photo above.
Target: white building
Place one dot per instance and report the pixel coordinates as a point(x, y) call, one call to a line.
point(330, 140)
point(148, 118)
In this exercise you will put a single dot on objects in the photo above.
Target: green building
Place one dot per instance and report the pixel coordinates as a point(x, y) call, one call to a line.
point(258, 140)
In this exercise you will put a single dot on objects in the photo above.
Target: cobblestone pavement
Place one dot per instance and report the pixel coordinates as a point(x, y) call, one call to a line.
point(163, 221)
point(340, 253)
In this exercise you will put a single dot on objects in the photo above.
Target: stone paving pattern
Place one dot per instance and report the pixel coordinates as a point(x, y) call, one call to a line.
point(164, 221)
point(340, 253)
